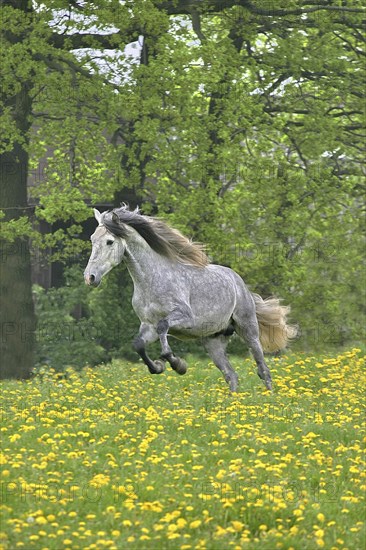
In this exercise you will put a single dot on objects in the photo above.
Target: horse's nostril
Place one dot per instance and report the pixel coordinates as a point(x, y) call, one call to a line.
point(92, 278)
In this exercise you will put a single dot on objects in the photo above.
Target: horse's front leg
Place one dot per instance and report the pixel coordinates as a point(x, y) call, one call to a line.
point(179, 319)
point(147, 335)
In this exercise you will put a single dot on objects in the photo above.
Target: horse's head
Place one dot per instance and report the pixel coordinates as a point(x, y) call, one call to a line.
point(107, 252)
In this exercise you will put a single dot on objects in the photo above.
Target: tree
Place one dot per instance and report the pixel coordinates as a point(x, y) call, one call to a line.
point(242, 122)
point(17, 317)
point(252, 138)
point(38, 72)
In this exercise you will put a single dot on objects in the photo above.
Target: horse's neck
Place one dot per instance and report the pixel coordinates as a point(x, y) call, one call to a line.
point(142, 262)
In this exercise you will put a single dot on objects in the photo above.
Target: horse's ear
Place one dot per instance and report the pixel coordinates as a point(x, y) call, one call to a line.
point(98, 216)
point(115, 218)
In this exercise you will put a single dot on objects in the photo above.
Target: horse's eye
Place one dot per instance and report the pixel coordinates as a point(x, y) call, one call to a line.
point(110, 242)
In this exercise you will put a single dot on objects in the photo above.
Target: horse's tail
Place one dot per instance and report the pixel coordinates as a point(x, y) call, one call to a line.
point(274, 332)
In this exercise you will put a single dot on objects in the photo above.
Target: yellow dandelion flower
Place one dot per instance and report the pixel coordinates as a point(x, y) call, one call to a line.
point(238, 525)
point(194, 524)
point(127, 523)
point(181, 522)
point(220, 531)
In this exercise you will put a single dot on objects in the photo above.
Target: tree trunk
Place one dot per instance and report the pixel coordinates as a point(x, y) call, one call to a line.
point(17, 317)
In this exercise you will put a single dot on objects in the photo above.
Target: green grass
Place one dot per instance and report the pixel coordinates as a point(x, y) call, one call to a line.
point(115, 458)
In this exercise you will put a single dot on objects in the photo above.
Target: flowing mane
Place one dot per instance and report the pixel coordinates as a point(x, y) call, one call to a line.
point(160, 237)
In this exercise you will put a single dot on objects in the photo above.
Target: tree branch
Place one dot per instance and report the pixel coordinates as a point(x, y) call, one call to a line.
point(298, 11)
point(90, 40)
point(352, 48)
point(196, 24)
point(57, 65)
point(184, 7)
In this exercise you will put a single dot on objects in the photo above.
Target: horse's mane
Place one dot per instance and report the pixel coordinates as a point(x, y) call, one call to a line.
point(160, 237)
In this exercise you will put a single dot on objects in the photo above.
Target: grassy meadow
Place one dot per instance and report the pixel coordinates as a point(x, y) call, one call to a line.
point(115, 458)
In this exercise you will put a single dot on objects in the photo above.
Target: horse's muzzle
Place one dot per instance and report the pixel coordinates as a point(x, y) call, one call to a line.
point(91, 279)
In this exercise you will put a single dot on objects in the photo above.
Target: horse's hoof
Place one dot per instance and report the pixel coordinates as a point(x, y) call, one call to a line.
point(233, 384)
point(159, 367)
point(179, 365)
point(268, 384)
point(266, 379)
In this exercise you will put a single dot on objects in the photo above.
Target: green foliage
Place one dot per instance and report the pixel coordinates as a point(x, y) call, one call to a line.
point(242, 125)
point(62, 338)
point(78, 326)
point(111, 312)
point(14, 229)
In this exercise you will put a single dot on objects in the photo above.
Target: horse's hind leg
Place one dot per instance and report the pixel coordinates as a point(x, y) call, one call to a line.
point(216, 348)
point(147, 335)
point(247, 328)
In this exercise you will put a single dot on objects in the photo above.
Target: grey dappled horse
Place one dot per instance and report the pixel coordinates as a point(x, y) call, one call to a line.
point(178, 292)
